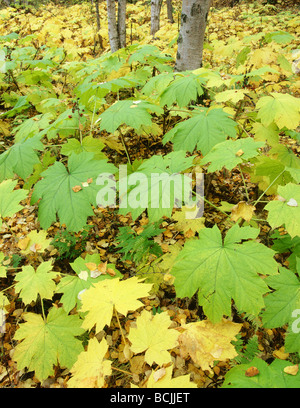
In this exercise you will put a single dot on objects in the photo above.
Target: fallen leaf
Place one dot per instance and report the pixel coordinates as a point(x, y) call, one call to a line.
point(76, 189)
point(157, 375)
point(206, 342)
point(22, 244)
point(251, 372)
point(239, 153)
point(242, 210)
point(292, 370)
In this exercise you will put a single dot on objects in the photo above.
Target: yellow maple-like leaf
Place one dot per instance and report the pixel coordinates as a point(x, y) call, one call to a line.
point(242, 210)
point(91, 367)
point(233, 95)
point(165, 380)
point(206, 342)
point(184, 222)
point(153, 335)
point(100, 300)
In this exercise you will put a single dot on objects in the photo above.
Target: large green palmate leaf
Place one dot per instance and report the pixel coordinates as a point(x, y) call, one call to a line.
point(224, 270)
point(231, 153)
point(48, 342)
point(58, 197)
point(156, 186)
point(182, 90)
point(10, 199)
point(132, 113)
point(286, 209)
point(20, 158)
point(204, 130)
point(285, 298)
point(269, 376)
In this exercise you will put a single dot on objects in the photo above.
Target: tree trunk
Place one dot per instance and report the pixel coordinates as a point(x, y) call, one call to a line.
point(122, 22)
point(191, 36)
point(155, 16)
point(170, 11)
point(116, 29)
point(112, 26)
point(97, 15)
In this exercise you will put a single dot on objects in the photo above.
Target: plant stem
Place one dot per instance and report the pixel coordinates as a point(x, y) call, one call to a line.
point(116, 313)
point(208, 202)
point(126, 151)
point(246, 191)
point(43, 311)
point(270, 185)
point(122, 371)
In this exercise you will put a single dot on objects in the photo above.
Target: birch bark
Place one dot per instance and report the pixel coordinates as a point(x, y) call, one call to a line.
point(191, 36)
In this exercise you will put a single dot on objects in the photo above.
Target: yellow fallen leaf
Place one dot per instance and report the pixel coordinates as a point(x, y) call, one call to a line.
point(292, 370)
point(206, 342)
point(91, 367)
point(153, 335)
point(100, 300)
point(166, 381)
point(280, 354)
point(242, 210)
point(23, 243)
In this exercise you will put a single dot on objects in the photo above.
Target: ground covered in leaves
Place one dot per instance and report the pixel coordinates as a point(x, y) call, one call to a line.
point(67, 28)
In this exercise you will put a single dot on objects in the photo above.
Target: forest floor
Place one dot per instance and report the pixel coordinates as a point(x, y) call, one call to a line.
point(100, 237)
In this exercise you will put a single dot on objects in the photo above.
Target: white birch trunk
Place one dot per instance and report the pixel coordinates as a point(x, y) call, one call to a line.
point(112, 26)
point(191, 36)
point(122, 23)
point(155, 16)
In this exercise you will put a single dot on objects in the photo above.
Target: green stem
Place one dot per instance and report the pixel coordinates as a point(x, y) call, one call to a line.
point(43, 311)
point(270, 185)
point(246, 191)
point(208, 202)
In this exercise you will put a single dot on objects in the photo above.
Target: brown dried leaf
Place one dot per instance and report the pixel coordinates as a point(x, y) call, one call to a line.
point(76, 189)
point(251, 372)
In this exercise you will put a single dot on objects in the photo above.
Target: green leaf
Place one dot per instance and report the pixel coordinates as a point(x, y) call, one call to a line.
point(31, 283)
point(186, 87)
point(283, 109)
point(10, 198)
point(89, 144)
point(269, 173)
point(57, 196)
point(286, 210)
point(143, 189)
point(132, 113)
point(285, 298)
point(280, 37)
point(31, 126)
point(20, 158)
point(22, 104)
point(224, 270)
point(47, 343)
point(72, 285)
point(270, 376)
point(204, 130)
point(231, 153)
